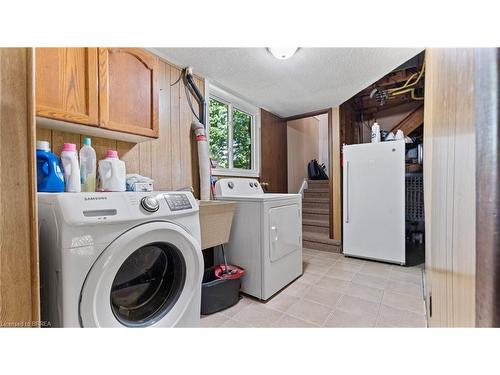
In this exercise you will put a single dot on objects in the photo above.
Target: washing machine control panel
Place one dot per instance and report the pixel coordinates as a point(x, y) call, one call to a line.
point(178, 202)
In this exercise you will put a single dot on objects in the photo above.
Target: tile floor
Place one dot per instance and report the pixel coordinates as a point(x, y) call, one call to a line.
point(336, 291)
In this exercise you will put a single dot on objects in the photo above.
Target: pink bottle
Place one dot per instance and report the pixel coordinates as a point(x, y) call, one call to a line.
point(112, 173)
point(71, 168)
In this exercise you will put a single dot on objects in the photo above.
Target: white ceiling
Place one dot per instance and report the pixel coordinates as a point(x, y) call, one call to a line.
point(312, 79)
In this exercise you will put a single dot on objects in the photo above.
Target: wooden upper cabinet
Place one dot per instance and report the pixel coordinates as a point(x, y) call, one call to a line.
point(128, 91)
point(67, 84)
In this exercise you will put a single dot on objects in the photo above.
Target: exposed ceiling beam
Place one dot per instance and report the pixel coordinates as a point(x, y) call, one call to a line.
point(411, 122)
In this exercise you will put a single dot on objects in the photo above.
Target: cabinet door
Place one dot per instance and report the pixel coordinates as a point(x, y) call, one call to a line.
point(66, 84)
point(128, 91)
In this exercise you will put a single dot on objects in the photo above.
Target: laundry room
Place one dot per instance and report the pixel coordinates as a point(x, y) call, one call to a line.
point(159, 185)
point(164, 186)
point(327, 205)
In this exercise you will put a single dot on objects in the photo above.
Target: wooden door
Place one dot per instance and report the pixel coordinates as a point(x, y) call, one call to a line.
point(66, 84)
point(19, 281)
point(449, 187)
point(128, 91)
point(274, 177)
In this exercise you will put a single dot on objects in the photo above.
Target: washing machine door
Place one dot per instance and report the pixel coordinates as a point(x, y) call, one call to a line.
point(149, 276)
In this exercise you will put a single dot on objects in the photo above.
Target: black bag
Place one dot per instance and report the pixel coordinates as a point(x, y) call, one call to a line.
point(316, 171)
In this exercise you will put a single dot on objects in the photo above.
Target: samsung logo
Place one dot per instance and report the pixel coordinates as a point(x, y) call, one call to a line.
point(94, 198)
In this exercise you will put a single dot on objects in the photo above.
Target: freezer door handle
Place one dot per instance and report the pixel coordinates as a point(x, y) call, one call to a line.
point(347, 208)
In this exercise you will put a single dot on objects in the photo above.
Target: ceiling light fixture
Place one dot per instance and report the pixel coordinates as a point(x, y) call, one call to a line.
point(282, 53)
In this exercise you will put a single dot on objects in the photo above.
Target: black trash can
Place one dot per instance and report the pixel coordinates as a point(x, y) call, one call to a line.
point(218, 293)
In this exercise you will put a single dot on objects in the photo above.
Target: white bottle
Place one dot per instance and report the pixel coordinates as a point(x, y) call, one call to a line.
point(112, 172)
point(71, 169)
point(399, 135)
point(375, 133)
point(87, 166)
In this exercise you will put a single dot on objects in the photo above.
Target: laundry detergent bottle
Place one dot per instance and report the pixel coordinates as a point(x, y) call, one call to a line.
point(69, 159)
point(49, 176)
point(87, 166)
point(112, 173)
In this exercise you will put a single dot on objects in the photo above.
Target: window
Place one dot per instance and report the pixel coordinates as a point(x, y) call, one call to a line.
point(233, 134)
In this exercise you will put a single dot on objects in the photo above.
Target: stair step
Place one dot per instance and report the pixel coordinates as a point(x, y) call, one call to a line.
point(315, 214)
point(315, 200)
point(318, 182)
point(321, 246)
point(317, 211)
point(308, 216)
point(320, 238)
point(316, 203)
point(315, 194)
point(315, 229)
point(314, 189)
point(316, 223)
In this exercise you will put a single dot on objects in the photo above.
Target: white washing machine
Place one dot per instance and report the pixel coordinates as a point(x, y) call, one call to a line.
point(266, 235)
point(120, 259)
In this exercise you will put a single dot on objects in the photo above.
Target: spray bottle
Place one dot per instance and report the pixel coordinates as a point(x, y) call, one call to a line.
point(375, 132)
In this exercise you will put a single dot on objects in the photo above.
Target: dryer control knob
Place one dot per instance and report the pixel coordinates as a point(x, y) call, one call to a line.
point(150, 204)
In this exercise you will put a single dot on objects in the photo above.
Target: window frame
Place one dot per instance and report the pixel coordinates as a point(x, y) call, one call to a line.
point(233, 102)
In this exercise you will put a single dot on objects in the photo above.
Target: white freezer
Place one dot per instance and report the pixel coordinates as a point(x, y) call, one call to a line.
point(374, 201)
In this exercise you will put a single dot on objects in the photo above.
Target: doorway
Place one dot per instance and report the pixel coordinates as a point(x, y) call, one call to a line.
point(307, 139)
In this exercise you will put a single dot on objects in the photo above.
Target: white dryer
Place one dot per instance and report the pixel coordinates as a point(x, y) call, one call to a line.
point(120, 259)
point(266, 235)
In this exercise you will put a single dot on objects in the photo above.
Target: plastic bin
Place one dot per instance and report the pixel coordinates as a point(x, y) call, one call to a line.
point(218, 293)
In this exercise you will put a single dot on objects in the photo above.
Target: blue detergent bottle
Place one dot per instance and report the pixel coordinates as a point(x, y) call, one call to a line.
point(49, 176)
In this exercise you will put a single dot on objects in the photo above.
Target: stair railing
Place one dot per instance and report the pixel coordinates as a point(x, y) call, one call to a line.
point(303, 187)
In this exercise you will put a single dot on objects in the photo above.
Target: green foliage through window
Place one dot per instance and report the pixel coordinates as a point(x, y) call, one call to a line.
point(219, 136)
point(218, 133)
point(242, 140)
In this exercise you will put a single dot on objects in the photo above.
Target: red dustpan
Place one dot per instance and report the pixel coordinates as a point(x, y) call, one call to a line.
point(229, 271)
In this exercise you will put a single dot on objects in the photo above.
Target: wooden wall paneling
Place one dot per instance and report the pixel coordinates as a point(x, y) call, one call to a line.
point(101, 145)
point(464, 259)
point(274, 152)
point(449, 186)
point(59, 138)
point(161, 153)
point(450, 106)
point(145, 162)
point(175, 147)
point(348, 124)
point(439, 139)
point(33, 217)
point(335, 174)
point(130, 154)
point(19, 279)
point(44, 135)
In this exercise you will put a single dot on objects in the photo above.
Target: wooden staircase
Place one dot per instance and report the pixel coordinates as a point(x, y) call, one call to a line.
point(316, 218)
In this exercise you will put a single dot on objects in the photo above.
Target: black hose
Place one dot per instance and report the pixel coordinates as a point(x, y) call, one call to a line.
point(191, 86)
